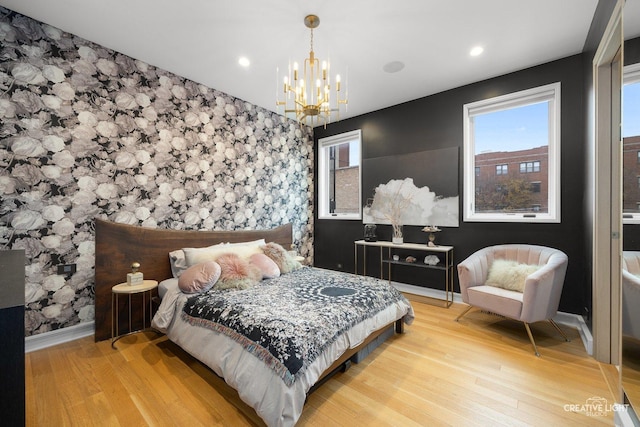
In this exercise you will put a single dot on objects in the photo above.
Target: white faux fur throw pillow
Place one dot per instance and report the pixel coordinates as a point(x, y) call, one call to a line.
point(509, 274)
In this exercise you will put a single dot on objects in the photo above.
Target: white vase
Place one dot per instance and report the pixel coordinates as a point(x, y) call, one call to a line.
point(397, 240)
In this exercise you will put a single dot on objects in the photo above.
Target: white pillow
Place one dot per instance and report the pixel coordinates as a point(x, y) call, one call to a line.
point(244, 250)
point(258, 242)
point(509, 274)
point(178, 258)
point(177, 262)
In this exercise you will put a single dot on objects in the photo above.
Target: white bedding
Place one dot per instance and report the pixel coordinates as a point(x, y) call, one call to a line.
point(258, 385)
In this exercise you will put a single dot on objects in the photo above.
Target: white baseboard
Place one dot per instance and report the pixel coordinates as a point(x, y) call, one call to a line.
point(577, 321)
point(626, 417)
point(567, 319)
point(59, 336)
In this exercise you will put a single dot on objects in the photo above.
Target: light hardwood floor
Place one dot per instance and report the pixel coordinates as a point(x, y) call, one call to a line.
point(479, 371)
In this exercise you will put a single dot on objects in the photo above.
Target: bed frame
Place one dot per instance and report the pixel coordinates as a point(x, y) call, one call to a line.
point(119, 245)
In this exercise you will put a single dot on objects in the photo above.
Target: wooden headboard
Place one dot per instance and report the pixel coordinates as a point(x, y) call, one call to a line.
point(119, 245)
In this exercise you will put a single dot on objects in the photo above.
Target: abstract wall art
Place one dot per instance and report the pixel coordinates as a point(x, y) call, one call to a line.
point(412, 189)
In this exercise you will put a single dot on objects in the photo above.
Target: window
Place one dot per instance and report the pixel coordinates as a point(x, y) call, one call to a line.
point(536, 187)
point(339, 176)
point(513, 128)
point(631, 145)
point(529, 167)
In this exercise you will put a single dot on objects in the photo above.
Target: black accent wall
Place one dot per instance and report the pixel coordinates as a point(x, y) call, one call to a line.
point(436, 122)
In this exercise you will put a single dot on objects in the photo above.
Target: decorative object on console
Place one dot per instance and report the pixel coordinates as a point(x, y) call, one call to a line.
point(431, 260)
point(410, 259)
point(370, 233)
point(311, 94)
point(398, 236)
point(389, 204)
point(432, 237)
point(135, 277)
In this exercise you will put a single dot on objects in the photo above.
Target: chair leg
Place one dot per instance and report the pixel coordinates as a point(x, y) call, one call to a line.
point(533, 343)
point(555, 325)
point(464, 312)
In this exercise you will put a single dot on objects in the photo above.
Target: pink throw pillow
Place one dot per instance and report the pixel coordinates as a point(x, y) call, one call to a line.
point(237, 272)
point(267, 266)
point(199, 278)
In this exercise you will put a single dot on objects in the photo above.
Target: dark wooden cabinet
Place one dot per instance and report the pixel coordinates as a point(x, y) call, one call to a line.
point(12, 392)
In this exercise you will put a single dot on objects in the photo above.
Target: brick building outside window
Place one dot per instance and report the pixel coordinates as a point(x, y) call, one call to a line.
point(515, 181)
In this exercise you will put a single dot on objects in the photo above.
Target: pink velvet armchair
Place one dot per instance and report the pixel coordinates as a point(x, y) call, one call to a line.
point(631, 294)
point(542, 289)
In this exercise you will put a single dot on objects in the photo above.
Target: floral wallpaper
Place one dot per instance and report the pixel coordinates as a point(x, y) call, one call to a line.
point(87, 132)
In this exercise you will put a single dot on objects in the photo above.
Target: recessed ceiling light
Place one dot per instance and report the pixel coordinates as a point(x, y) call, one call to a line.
point(244, 61)
point(393, 67)
point(476, 51)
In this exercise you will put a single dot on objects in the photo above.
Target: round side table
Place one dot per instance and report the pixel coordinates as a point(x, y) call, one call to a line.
point(145, 288)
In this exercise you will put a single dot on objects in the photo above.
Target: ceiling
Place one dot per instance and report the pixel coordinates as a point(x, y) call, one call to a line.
point(203, 40)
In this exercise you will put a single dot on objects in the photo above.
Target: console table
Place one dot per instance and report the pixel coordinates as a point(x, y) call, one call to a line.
point(445, 254)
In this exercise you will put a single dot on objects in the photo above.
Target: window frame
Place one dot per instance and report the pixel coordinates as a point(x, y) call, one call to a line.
point(630, 75)
point(533, 164)
point(323, 175)
point(536, 185)
point(547, 93)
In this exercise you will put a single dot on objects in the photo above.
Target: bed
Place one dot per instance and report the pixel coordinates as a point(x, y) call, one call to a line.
point(258, 339)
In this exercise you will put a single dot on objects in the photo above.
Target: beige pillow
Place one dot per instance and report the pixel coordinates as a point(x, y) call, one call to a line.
point(509, 274)
point(283, 259)
point(199, 277)
point(243, 250)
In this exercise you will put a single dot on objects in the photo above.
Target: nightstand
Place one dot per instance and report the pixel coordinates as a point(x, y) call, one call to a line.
point(145, 288)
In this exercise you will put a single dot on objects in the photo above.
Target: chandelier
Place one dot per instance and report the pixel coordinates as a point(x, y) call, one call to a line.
point(308, 94)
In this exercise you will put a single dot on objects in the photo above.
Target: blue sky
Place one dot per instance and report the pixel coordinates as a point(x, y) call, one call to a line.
point(526, 127)
point(631, 110)
point(511, 130)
